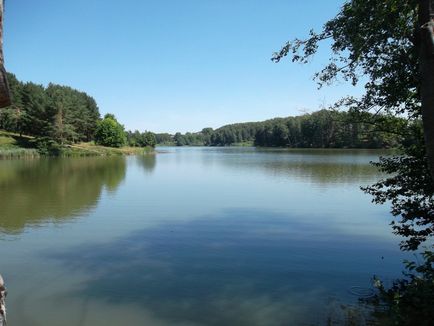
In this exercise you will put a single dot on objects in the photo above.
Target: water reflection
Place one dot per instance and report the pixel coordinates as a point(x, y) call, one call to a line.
point(147, 162)
point(316, 166)
point(318, 173)
point(35, 191)
point(240, 267)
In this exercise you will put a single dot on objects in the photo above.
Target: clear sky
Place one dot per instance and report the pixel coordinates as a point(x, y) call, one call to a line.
point(172, 65)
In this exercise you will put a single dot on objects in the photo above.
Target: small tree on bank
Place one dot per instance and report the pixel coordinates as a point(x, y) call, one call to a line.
point(109, 132)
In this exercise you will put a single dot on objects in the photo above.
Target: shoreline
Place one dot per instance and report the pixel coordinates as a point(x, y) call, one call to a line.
point(14, 146)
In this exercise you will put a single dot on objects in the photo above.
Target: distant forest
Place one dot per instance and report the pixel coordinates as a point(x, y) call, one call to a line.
point(321, 129)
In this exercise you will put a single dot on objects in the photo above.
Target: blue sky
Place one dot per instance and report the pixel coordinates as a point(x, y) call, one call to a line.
point(172, 65)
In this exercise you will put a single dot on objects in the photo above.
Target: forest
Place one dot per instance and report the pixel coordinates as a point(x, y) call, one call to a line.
point(320, 129)
point(59, 115)
point(58, 112)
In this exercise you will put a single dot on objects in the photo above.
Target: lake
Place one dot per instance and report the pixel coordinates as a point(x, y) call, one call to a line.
point(192, 236)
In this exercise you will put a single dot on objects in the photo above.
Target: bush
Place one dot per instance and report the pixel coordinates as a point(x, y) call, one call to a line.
point(109, 132)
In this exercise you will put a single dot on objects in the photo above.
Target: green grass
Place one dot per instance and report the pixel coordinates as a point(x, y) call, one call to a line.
point(9, 140)
point(15, 146)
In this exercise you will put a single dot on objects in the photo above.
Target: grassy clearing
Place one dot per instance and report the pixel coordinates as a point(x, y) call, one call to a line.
point(15, 146)
point(9, 140)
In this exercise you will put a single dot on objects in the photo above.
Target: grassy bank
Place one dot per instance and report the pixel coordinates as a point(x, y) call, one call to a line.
point(15, 146)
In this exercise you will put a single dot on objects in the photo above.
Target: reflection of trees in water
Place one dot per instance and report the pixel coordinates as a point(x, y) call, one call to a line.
point(35, 191)
point(147, 162)
point(317, 166)
point(323, 173)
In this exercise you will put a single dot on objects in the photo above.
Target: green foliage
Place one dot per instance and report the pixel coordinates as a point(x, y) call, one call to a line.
point(76, 114)
point(374, 39)
point(149, 139)
point(58, 112)
point(164, 139)
point(109, 132)
point(379, 40)
point(47, 146)
point(409, 301)
point(327, 129)
point(321, 129)
point(235, 133)
point(59, 116)
point(206, 135)
point(409, 188)
point(138, 139)
point(188, 139)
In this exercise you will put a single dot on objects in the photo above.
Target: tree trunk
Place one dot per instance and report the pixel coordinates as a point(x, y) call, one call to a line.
point(426, 22)
point(2, 302)
point(5, 99)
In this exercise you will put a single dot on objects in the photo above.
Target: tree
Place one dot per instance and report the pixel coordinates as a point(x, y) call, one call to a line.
point(4, 88)
point(426, 69)
point(138, 139)
point(390, 42)
point(38, 116)
point(149, 139)
point(207, 134)
point(57, 112)
point(4, 101)
point(163, 138)
point(109, 132)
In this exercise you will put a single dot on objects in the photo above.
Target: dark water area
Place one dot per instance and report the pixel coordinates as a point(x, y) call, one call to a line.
point(192, 236)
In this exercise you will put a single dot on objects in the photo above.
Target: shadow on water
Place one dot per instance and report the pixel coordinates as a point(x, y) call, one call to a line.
point(239, 267)
point(37, 191)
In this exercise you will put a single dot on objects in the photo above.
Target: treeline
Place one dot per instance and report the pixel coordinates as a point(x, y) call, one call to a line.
point(331, 129)
point(57, 115)
point(321, 129)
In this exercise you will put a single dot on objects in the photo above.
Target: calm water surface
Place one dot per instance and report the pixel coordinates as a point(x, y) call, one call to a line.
point(191, 236)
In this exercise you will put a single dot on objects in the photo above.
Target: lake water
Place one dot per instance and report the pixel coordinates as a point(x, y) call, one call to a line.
point(191, 236)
